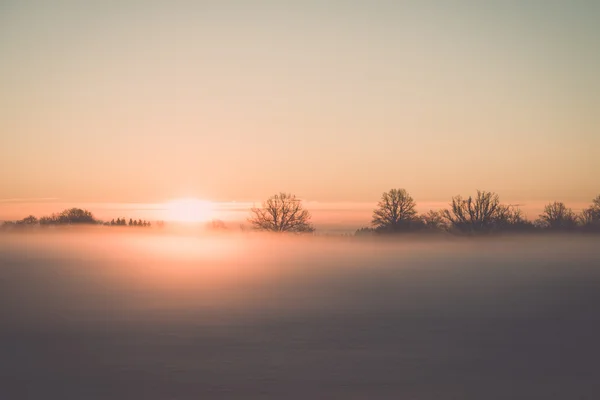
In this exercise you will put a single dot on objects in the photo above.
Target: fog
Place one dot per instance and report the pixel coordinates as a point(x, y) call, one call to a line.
point(121, 315)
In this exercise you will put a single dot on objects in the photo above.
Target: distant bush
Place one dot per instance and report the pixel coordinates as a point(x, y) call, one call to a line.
point(7, 225)
point(364, 232)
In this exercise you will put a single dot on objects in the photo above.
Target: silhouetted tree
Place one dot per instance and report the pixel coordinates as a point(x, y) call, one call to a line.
point(557, 216)
point(77, 216)
point(282, 212)
point(7, 224)
point(434, 221)
point(511, 219)
point(132, 222)
point(70, 216)
point(364, 232)
point(30, 220)
point(590, 217)
point(395, 212)
point(474, 215)
point(46, 220)
point(595, 207)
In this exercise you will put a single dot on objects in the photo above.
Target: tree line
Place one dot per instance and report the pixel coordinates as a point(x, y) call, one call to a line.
point(396, 213)
point(74, 216)
point(132, 222)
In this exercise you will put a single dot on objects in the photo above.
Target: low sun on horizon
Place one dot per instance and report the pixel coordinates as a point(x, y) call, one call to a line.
point(189, 210)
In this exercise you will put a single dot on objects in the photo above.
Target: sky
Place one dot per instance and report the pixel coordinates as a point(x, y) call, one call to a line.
point(335, 101)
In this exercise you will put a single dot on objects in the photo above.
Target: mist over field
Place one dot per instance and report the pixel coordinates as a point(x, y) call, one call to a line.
point(121, 315)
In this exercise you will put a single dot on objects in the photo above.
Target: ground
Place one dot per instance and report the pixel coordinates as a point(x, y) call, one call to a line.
point(151, 317)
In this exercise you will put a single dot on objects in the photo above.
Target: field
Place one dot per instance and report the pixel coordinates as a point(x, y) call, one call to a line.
point(89, 315)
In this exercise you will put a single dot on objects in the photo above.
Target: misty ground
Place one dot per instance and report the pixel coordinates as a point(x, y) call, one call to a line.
point(85, 315)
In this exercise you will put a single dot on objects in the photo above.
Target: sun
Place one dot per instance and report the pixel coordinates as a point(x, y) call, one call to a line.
point(189, 210)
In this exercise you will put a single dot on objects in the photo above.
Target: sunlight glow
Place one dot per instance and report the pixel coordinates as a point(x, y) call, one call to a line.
point(189, 210)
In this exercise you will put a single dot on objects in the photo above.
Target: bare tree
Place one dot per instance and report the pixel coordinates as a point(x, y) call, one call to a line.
point(587, 218)
point(30, 220)
point(282, 212)
point(590, 217)
point(596, 206)
point(434, 220)
point(557, 216)
point(395, 211)
point(511, 218)
point(365, 231)
point(471, 215)
point(70, 216)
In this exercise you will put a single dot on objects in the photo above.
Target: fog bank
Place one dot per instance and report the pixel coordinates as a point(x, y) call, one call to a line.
point(92, 315)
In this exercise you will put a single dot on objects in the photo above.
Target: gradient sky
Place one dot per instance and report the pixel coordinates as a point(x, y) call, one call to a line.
point(145, 101)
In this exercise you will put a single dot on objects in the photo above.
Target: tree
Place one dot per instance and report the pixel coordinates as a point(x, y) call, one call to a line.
point(366, 231)
point(595, 207)
point(77, 216)
point(557, 216)
point(47, 221)
point(511, 218)
point(7, 224)
point(474, 215)
point(590, 217)
point(130, 222)
point(434, 220)
point(282, 212)
point(70, 216)
point(30, 220)
point(395, 212)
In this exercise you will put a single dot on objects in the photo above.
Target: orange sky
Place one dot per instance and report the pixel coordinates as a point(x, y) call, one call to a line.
point(146, 102)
